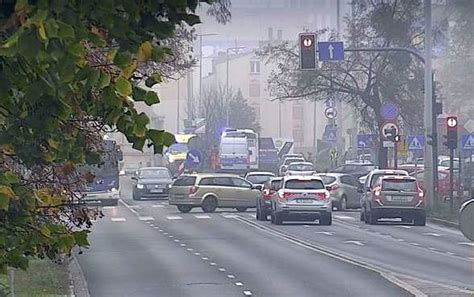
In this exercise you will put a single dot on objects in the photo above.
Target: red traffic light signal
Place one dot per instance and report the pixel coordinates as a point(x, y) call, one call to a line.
point(307, 44)
point(452, 132)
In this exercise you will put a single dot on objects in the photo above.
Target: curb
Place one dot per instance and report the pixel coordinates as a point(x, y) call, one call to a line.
point(444, 223)
point(78, 280)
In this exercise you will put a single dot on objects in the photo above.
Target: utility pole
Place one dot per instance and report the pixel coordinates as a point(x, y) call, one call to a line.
point(177, 106)
point(428, 108)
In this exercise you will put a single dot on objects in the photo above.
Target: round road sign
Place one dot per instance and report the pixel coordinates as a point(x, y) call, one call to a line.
point(387, 127)
point(330, 112)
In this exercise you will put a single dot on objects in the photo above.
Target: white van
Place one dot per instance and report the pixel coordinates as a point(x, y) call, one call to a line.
point(234, 154)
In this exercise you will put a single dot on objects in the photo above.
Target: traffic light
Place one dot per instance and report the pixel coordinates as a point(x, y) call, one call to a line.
point(452, 135)
point(307, 44)
point(397, 138)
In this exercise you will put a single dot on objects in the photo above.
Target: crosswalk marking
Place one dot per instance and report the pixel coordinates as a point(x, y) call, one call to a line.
point(251, 215)
point(432, 234)
point(109, 207)
point(325, 233)
point(157, 205)
point(342, 217)
point(174, 218)
point(229, 216)
point(466, 243)
point(202, 216)
point(403, 226)
point(146, 218)
point(118, 219)
point(354, 242)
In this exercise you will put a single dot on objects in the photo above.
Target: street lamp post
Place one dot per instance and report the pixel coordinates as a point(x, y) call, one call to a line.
point(227, 77)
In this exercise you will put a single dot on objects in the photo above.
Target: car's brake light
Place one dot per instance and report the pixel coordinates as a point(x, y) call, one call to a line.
point(324, 196)
point(193, 189)
point(421, 194)
point(376, 194)
point(334, 187)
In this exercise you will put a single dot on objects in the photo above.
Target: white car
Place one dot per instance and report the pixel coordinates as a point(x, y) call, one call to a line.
point(259, 178)
point(300, 168)
point(302, 198)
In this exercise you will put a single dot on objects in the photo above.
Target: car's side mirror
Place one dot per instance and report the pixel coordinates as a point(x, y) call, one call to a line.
point(328, 188)
point(257, 187)
point(134, 178)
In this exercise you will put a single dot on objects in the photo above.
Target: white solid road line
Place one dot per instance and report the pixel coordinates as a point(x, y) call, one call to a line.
point(466, 243)
point(157, 205)
point(403, 226)
point(202, 216)
point(109, 207)
point(432, 234)
point(128, 206)
point(354, 242)
point(174, 218)
point(325, 233)
point(118, 219)
point(247, 293)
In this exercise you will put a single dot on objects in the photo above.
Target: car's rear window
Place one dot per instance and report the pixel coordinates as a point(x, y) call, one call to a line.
point(259, 179)
point(275, 184)
point(375, 177)
point(291, 160)
point(300, 167)
point(399, 185)
point(304, 184)
point(185, 181)
point(327, 179)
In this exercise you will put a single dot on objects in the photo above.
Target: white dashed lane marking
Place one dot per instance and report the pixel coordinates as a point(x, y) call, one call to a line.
point(354, 242)
point(342, 217)
point(118, 219)
point(238, 284)
point(325, 233)
point(157, 205)
point(109, 207)
point(222, 269)
point(174, 218)
point(247, 293)
point(466, 243)
point(414, 243)
point(403, 226)
point(231, 276)
point(432, 234)
point(202, 216)
point(146, 218)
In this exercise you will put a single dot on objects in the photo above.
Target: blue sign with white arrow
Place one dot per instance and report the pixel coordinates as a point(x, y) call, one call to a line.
point(193, 158)
point(416, 142)
point(331, 51)
point(467, 142)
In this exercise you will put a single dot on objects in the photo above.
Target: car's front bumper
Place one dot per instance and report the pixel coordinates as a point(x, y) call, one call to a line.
point(102, 198)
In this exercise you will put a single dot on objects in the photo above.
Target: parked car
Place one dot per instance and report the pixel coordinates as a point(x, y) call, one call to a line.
point(129, 169)
point(369, 183)
point(300, 168)
point(259, 178)
point(264, 201)
point(210, 191)
point(395, 197)
point(301, 198)
point(343, 189)
point(288, 161)
point(355, 169)
point(151, 182)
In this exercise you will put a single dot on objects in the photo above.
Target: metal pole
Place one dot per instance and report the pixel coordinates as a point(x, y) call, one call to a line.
point(227, 85)
point(459, 188)
point(427, 119)
point(200, 71)
point(434, 133)
point(395, 156)
point(338, 16)
point(451, 179)
point(279, 118)
point(314, 128)
point(177, 107)
point(12, 282)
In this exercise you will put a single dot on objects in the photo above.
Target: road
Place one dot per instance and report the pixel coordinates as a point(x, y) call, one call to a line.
point(148, 248)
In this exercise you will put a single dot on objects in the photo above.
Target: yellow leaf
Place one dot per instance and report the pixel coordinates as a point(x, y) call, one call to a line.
point(6, 194)
point(41, 32)
point(111, 55)
point(8, 149)
point(48, 156)
point(53, 143)
point(127, 72)
point(144, 51)
point(44, 198)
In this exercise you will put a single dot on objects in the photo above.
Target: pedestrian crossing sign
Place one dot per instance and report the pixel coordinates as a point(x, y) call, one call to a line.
point(416, 142)
point(467, 142)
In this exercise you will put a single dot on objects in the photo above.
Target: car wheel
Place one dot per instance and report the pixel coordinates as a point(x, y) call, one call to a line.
point(325, 219)
point(184, 208)
point(278, 218)
point(209, 204)
point(372, 218)
point(420, 220)
point(257, 214)
point(241, 209)
point(362, 215)
point(135, 197)
point(343, 203)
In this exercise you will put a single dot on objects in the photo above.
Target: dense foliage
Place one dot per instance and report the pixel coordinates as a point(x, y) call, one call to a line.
point(68, 73)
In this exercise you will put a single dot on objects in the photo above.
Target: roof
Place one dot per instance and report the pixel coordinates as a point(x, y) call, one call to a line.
point(407, 177)
point(397, 171)
point(154, 168)
point(301, 163)
point(332, 174)
point(260, 173)
point(202, 175)
point(301, 177)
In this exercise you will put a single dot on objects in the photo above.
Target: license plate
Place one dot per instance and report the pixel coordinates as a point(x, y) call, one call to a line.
point(399, 198)
point(156, 191)
point(302, 200)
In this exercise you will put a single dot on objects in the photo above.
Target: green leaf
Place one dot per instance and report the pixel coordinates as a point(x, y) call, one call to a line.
point(104, 80)
point(92, 158)
point(77, 50)
point(111, 98)
point(44, 230)
point(168, 139)
point(138, 143)
point(81, 238)
point(141, 121)
point(122, 59)
point(10, 177)
point(156, 136)
point(151, 98)
point(65, 31)
point(191, 19)
point(153, 80)
point(123, 86)
point(6, 194)
point(52, 28)
point(160, 53)
point(158, 149)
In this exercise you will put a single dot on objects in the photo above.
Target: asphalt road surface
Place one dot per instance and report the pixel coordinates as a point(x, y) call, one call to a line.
point(148, 248)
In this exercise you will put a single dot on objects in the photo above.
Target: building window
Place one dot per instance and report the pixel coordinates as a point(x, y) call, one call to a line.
point(254, 66)
point(254, 88)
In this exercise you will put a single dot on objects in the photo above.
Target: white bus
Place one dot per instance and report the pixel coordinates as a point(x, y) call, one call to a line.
point(252, 144)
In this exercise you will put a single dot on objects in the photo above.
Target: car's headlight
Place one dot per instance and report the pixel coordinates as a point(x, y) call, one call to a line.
point(122, 172)
point(139, 186)
point(113, 190)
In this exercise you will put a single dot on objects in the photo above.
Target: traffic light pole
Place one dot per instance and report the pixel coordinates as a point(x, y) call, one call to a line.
point(395, 156)
point(451, 179)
